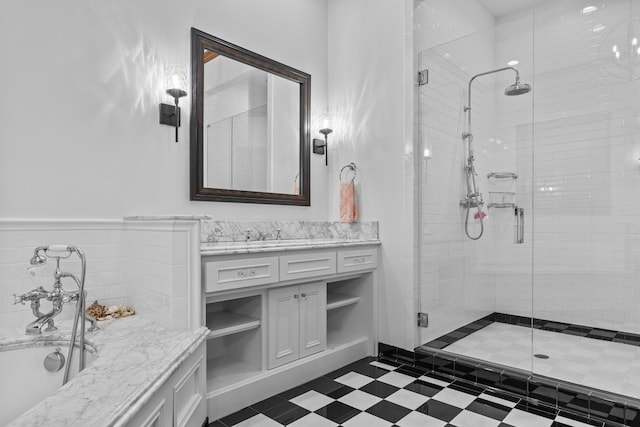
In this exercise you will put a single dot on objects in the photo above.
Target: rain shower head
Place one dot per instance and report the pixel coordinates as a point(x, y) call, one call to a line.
point(517, 88)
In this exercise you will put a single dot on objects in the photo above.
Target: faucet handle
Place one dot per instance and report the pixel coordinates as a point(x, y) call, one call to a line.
point(18, 299)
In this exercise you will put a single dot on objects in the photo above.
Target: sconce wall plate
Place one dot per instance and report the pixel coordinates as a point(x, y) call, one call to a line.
point(322, 147)
point(168, 115)
point(318, 146)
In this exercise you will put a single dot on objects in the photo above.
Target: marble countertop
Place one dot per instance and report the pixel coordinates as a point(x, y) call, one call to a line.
point(233, 248)
point(134, 358)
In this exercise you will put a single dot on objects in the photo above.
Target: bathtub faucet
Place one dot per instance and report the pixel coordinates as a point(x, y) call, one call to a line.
point(58, 296)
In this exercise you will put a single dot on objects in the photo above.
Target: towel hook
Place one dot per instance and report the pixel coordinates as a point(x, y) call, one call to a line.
point(353, 168)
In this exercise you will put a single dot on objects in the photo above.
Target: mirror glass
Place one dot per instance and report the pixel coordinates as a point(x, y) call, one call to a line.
point(249, 135)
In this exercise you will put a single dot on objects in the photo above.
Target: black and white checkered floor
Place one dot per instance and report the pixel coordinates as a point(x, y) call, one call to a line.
point(372, 393)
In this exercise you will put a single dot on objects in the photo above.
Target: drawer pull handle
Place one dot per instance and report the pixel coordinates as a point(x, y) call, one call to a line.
point(303, 295)
point(296, 296)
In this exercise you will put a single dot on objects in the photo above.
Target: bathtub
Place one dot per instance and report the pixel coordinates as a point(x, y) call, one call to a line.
point(129, 360)
point(25, 381)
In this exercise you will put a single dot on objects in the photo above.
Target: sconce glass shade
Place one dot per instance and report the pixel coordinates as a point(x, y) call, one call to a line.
point(326, 122)
point(176, 80)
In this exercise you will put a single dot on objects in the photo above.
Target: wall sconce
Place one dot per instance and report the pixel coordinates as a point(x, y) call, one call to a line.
point(176, 84)
point(320, 146)
point(427, 153)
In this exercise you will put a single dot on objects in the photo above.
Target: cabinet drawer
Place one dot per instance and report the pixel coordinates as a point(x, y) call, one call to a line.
point(307, 264)
point(238, 273)
point(357, 259)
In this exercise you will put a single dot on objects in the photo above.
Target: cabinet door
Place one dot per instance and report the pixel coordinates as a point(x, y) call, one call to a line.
point(284, 325)
point(313, 318)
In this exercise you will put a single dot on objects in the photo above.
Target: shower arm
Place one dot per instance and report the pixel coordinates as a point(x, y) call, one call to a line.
point(468, 135)
point(467, 109)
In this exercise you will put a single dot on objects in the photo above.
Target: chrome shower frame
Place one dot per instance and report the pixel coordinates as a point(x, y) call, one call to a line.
point(473, 198)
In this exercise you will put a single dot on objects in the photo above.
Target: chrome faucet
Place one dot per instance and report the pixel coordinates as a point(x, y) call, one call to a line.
point(42, 319)
point(58, 296)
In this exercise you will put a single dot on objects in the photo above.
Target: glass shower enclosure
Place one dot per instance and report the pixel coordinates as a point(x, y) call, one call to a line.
point(530, 240)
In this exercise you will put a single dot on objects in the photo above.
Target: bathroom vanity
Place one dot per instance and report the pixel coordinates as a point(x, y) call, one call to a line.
point(281, 313)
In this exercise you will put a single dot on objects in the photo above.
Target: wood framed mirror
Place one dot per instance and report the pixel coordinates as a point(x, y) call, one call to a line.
point(250, 123)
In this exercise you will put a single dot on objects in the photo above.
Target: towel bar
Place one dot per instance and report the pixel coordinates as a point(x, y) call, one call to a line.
point(353, 168)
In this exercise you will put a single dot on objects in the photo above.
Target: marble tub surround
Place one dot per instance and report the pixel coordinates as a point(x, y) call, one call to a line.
point(236, 231)
point(167, 218)
point(134, 358)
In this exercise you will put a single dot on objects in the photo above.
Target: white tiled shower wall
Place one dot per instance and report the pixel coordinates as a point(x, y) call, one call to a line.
point(586, 170)
point(140, 263)
point(574, 142)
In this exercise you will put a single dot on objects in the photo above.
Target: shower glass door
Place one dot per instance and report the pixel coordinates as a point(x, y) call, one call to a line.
point(564, 303)
point(587, 241)
point(476, 266)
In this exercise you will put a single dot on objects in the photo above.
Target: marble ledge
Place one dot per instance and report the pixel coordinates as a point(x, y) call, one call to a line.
point(235, 248)
point(167, 218)
point(134, 359)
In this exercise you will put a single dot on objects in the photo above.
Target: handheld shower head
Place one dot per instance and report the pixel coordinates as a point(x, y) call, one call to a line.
point(37, 259)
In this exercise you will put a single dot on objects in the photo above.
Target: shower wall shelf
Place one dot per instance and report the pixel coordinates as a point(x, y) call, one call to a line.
point(501, 196)
point(502, 175)
point(502, 205)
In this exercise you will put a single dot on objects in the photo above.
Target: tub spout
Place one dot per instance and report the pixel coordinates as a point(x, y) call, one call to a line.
point(36, 326)
point(94, 323)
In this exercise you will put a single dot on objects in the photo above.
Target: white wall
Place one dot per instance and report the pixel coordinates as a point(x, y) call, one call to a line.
point(79, 133)
point(367, 95)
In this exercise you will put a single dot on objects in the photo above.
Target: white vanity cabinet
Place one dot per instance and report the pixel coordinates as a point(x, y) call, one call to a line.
point(297, 322)
point(280, 317)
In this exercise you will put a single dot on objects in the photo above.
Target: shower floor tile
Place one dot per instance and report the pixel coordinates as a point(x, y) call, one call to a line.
point(605, 365)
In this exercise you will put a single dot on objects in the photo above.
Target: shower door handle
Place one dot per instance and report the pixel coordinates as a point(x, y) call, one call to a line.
point(519, 227)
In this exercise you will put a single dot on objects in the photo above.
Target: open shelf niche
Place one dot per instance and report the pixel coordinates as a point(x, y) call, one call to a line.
point(349, 305)
point(234, 346)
